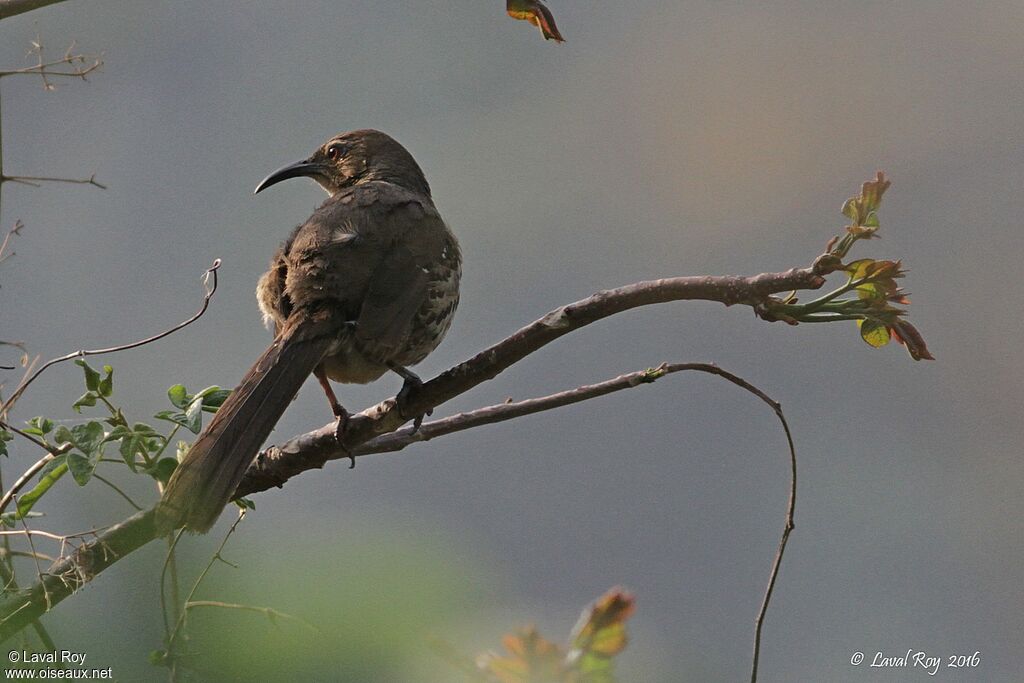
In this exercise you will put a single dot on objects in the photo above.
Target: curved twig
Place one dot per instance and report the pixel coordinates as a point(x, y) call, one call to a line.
point(88, 560)
point(210, 287)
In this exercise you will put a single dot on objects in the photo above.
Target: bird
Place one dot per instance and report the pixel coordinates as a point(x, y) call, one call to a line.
point(367, 285)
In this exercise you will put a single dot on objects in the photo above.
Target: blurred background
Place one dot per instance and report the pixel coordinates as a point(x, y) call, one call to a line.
point(664, 138)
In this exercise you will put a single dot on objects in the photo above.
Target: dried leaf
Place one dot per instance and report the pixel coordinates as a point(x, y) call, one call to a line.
point(531, 659)
point(535, 12)
point(601, 628)
point(906, 334)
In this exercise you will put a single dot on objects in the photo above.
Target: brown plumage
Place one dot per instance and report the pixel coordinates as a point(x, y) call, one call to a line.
point(369, 283)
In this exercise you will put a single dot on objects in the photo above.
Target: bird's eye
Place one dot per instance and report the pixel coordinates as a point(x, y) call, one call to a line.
point(334, 152)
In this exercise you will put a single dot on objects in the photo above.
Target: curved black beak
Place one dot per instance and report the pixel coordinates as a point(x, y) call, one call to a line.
point(304, 168)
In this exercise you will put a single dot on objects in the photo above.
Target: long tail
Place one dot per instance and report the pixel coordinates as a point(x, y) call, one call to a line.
point(206, 479)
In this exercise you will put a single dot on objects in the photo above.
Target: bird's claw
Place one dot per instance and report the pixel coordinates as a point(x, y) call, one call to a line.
point(339, 435)
point(410, 386)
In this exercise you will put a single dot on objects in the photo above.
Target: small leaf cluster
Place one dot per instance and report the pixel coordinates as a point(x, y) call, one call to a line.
point(599, 635)
point(877, 298)
point(80, 448)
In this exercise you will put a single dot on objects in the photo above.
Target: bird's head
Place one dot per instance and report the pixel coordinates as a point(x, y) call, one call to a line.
point(355, 157)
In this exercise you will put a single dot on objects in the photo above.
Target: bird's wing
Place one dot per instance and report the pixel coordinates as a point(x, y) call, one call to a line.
point(395, 293)
point(366, 251)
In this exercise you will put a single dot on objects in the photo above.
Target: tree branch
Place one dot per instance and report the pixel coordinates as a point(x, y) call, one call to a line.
point(312, 450)
point(378, 428)
point(9, 8)
point(365, 436)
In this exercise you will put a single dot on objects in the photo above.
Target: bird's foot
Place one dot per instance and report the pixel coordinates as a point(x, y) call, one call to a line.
point(339, 434)
point(410, 387)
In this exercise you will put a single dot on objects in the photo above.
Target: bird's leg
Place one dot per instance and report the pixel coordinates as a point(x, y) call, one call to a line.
point(338, 410)
point(410, 386)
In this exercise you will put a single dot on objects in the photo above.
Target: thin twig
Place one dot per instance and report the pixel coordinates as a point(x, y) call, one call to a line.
point(24, 553)
point(506, 411)
point(210, 289)
point(47, 70)
point(26, 435)
point(16, 230)
point(29, 365)
point(199, 580)
point(786, 530)
point(35, 558)
point(172, 544)
point(35, 181)
point(118, 490)
point(269, 612)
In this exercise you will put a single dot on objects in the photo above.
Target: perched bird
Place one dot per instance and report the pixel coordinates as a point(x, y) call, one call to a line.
point(368, 284)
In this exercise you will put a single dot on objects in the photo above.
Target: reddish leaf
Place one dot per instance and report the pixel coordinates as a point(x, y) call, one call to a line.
point(600, 634)
point(531, 659)
point(907, 334)
point(535, 12)
point(861, 209)
point(600, 628)
point(871, 192)
point(878, 279)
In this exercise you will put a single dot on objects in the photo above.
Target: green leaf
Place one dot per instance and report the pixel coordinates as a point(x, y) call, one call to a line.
point(106, 385)
point(43, 424)
point(137, 440)
point(5, 436)
point(47, 480)
point(850, 208)
point(143, 428)
point(213, 398)
point(52, 465)
point(172, 416)
point(178, 396)
point(88, 437)
point(245, 503)
point(163, 469)
point(81, 468)
point(8, 519)
point(116, 433)
point(62, 435)
point(874, 332)
point(194, 415)
point(132, 445)
point(87, 399)
point(92, 378)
